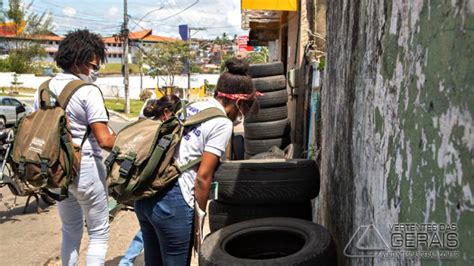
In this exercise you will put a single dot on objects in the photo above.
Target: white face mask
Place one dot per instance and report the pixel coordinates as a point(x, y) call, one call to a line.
point(237, 121)
point(91, 78)
point(94, 75)
point(239, 118)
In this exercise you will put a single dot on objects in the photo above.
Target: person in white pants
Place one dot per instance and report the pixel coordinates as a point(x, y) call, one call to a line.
point(80, 55)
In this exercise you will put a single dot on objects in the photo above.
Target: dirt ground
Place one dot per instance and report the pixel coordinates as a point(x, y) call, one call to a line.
point(34, 239)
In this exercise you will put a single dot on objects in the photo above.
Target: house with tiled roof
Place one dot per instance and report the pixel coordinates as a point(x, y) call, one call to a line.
point(138, 40)
point(50, 42)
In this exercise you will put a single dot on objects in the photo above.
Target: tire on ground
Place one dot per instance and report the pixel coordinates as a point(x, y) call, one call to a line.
point(253, 146)
point(270, 181)
point(273, 98)
point(263, 155)
point(267, 130)
point(265, 70)
point(269, 241)
point(272, 83)
point(268, 114)
point(221, 214)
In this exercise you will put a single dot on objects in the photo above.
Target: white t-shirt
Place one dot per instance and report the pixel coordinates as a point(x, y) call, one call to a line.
point(211, 136)
point(85, 107)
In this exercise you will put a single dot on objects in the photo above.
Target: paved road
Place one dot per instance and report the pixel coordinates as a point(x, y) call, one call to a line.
point(117, 124)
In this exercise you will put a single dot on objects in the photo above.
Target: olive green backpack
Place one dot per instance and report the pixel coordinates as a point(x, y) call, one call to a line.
point(142, 163)
point(43, 154)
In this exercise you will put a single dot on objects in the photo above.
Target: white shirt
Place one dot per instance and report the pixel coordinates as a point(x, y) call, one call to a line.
point(85, 107)
point(210, 136)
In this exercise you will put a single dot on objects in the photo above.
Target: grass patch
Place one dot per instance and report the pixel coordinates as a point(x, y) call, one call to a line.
point(19, 90)
point(13, 95)
point(119, 106)
point(116, 68)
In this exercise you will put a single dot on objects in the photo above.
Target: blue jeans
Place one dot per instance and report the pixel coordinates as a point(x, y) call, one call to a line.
point(166, 221)
point(133, 251)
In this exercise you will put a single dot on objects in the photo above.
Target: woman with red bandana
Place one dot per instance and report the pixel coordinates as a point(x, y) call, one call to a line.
point(166, 220)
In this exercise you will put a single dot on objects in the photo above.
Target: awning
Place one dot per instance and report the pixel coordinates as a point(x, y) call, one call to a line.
point(283, 5)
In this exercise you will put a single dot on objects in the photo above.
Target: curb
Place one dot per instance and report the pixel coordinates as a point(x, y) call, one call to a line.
point(121, 116)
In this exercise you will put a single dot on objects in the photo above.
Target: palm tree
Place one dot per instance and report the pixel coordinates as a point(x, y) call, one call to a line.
point(224, 41)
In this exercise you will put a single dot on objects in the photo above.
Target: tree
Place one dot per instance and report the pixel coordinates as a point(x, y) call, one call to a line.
point(195, 68)
point(22, 52)
point(167, 59)
point(28, 22)
point(224, 41)
point(259, 57)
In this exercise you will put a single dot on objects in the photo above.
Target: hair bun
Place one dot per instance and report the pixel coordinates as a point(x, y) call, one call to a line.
point(237, 66)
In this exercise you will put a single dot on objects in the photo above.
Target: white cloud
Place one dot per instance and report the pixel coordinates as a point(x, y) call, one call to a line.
point(113, 12)
point(234, 17)
point(69, 11)
point(217, 16)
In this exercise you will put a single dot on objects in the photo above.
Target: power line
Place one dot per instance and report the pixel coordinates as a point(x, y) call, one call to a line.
point(108, 22)
point(83, 13)
point(176, 14)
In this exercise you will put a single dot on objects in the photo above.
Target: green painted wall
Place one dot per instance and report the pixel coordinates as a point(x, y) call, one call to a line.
point(398, 108)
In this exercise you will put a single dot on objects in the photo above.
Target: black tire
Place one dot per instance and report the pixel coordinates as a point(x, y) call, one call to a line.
point(273, 98)
point(267, 130)
point(221, 214)
point(238, 147)
point(47, 199)
point(268, 114)
point(253, 147)
point(272, 83)
point(267, 181)
point(269, 241)
point(263, 156)
point(265, 70)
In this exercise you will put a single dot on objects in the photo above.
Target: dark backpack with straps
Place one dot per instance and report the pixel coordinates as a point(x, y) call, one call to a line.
point(43, 154)
point(142, 163)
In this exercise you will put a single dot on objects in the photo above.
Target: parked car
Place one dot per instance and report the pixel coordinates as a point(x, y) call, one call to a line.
point(12, 109)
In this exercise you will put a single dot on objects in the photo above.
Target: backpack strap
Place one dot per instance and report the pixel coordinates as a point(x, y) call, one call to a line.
point(204, 115)
point(66, 95)
point(44, 94)
point(68, 91)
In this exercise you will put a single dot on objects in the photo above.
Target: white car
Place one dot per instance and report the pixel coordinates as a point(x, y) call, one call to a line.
point(8, 110)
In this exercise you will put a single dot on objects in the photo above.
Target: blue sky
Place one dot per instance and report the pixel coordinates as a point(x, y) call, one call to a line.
point(163, 16)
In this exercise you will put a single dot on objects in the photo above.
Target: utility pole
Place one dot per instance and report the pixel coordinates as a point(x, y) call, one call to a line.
point(189, 58)
point(125, 57)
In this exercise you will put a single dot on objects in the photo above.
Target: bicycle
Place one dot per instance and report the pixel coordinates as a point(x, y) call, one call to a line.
point(8, 178)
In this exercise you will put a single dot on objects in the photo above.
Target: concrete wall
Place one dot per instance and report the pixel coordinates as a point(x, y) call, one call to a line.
point(397, 110)
point(111, 85)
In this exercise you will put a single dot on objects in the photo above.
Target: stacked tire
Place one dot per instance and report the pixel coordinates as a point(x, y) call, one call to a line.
point(252, 189)
point(270, 241)
point(270, 127)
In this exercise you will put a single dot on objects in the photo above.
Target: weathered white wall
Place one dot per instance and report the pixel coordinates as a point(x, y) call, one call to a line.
point(397, 110)
point(110, 85)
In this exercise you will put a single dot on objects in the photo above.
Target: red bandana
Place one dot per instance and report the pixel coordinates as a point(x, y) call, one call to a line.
point(236, 97)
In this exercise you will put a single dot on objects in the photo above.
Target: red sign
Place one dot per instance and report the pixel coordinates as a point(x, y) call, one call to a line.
point(242, 43)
